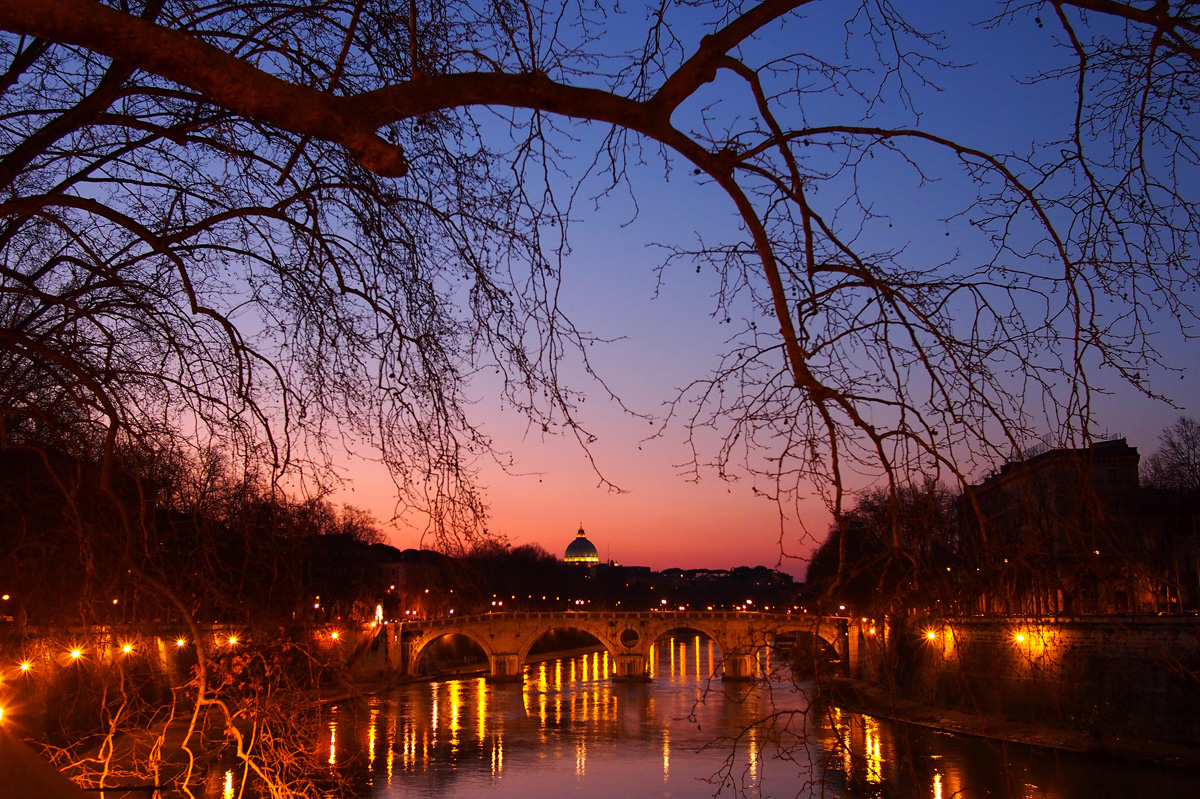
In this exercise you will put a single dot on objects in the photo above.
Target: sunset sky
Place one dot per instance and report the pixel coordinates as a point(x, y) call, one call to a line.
point(663, 518)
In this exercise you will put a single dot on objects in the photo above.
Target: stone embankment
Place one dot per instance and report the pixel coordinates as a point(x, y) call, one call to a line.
point(1121, 686)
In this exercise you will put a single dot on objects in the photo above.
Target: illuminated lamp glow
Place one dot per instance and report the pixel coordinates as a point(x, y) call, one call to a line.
point(334, 635)
point(127, 648)
point(233, 639)
point(181, 642)
point(25, 665)
point(931, 635)
point(76, 654)
point(1019, 638)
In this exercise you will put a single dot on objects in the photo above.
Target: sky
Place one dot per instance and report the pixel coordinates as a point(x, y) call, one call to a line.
point(667, 336)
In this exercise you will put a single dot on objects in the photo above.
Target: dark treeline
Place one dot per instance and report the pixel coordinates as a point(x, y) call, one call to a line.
point(155, 537)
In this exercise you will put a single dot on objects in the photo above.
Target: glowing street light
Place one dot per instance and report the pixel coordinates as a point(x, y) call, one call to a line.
point(127, 648)
point(76, 654)
point(25, 665)
point(181, 643)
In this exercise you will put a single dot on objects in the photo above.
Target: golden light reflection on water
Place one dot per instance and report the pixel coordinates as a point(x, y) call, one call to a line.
point(666, 747)
point(427, 732)
point(481, 709)
point(433, 713)
point(371, 733)
point(937, 786)
point(391, 747)
point(227, 790)
point(455, 695)
point(841, 729)
point(497, 756)
point(752, 754)
point(872, 750)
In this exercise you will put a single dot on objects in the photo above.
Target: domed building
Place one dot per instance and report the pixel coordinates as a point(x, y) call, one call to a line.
point(581, 551)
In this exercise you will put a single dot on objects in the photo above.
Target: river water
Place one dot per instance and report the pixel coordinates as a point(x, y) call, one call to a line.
point(570, 731)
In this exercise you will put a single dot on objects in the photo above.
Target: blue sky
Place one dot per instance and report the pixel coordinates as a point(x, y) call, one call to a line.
point(665, 335)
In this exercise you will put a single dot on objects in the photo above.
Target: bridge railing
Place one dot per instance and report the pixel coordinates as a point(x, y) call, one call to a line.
point(643, 615)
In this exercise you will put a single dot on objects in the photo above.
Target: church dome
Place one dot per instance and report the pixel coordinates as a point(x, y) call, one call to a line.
point(581, 551)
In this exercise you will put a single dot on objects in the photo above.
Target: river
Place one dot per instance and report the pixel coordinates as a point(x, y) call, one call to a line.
point(570, 731)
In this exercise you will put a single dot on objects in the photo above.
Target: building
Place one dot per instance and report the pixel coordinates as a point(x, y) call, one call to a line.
point(581, 552)
point(1064, 531)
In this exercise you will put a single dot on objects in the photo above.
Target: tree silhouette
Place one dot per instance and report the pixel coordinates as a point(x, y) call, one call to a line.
point(1176, 463)
point(272, 229)
point(892, 552)
point(315, 293)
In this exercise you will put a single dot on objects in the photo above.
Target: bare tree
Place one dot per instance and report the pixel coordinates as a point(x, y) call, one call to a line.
point(892, 551)
point(872, 357)
point(267, 227)
point(1176, 464)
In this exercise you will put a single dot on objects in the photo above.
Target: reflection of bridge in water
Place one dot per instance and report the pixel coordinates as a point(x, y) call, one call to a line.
point(507, 638)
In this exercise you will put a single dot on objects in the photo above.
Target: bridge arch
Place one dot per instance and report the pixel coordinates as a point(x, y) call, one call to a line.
point(601, 635)
point(422, 648)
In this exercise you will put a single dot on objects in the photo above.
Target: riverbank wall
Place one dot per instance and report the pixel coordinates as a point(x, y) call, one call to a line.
point(1106, 677)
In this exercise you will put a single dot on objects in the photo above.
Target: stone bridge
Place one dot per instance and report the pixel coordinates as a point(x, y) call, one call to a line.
point(507, 638)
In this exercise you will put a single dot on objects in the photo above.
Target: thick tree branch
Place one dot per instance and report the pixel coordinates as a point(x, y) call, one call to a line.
point(226, 80)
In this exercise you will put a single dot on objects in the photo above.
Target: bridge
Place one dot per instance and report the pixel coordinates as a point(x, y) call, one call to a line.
point(507, 638)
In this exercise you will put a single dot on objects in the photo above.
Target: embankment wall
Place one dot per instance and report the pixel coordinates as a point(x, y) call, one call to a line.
point(1114, 675)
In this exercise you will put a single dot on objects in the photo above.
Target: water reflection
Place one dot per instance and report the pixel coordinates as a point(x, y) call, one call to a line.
point(569, 729)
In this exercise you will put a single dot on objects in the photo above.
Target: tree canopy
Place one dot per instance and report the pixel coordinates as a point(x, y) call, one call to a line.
point(1176, 463)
